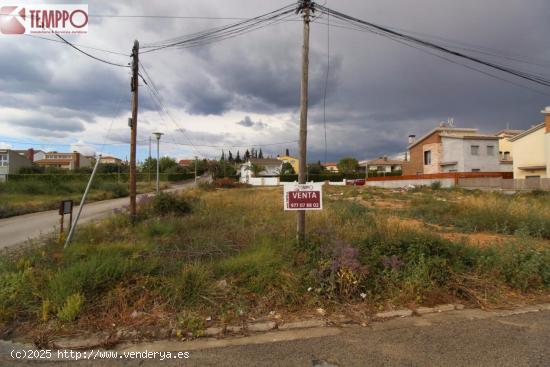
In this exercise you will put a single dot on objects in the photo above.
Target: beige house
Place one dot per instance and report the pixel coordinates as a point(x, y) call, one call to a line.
point(331, 167)
point(68, 161)
point(383, 165)
point(505, 148)
point(110, 160)
point(532, 150)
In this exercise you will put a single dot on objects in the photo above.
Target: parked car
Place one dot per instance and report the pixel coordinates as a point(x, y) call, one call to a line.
point(356, 182)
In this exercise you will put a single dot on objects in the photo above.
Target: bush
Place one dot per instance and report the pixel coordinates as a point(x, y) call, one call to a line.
point(189, 286)
point(436, 185)
point(72, 308)
point(167, 203)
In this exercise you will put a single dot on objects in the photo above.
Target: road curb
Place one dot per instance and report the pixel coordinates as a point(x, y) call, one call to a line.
point(258, 328)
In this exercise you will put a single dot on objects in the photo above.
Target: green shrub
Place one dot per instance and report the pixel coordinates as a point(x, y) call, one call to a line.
point(15, 290)
point(436, 185)
point(167, 203)
point(72, 308)
point(258, 269)
point(190, 285)
point(98, 271)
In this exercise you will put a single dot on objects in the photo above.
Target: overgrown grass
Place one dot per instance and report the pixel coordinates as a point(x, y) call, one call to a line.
point(528, 214)
point(231, 254)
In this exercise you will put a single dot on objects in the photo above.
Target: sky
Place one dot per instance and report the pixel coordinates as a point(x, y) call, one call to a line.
point(245, 92)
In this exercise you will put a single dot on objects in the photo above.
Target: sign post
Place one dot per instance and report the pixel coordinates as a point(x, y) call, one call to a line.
point(65, 207)
point(303, 196)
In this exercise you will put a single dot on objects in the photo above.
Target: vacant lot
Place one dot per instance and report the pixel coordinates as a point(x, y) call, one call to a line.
point(220, 256)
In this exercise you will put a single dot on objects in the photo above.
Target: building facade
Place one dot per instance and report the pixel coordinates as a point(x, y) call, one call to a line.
point(532, 150)
point(449, 149)
point(383, 165)
point(110, 160)
point(68, 161)
point(270, 167)
point(11, 161)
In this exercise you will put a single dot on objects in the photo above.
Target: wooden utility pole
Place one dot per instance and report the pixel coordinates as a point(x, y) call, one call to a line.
point(305, 7)
point(133, 134)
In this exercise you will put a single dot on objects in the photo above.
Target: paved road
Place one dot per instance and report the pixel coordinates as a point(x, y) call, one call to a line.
point(466, 338)
point(19, 229)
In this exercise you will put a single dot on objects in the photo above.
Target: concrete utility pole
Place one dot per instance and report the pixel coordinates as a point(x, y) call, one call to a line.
point(133, 134)
point(305, 7)
point(158, 135)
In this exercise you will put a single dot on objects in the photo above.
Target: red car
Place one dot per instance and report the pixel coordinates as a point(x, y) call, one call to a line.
point(356, 182)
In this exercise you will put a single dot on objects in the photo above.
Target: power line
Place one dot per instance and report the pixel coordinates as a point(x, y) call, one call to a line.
point(79, 45)
point(223, 32)
point(90, 55)
point(391, 34)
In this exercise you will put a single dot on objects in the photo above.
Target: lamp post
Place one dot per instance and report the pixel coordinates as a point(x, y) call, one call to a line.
point(196, 170)
point(158, 135)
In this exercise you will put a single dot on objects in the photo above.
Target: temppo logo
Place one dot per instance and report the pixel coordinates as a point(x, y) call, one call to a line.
point(12, 20)
point(44, 18)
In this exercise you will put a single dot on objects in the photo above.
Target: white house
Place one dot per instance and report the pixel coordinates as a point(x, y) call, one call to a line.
point(270, 168)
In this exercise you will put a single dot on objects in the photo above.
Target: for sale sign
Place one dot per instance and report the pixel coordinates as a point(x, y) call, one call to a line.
point(303, 197)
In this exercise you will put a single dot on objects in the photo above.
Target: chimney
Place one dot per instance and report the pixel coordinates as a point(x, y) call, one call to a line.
point(412, 139)
point(546, 113)
point(30, 154)
point(76, 159)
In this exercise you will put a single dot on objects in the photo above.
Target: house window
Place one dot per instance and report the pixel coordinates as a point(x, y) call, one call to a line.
point(474, 149)
point(3, 160)
point(490, 150)
point(506, 156)
point(428, 157)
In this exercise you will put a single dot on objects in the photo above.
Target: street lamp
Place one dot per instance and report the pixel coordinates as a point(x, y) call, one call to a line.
point(196, 170)
point(158, 135)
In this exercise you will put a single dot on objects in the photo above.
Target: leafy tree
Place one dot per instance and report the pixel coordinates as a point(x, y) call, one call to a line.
point(256, 169)
point(260, 155)
point(287, 169)
point(230, 157)
point(348, 165)
point(238, 158)
point(247, 155)
point(166, 163)
point(221, 169)
point(222, 158)
point(314, 168)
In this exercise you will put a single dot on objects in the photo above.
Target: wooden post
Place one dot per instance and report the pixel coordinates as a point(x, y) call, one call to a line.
point(61, 227)
point(133, 134)
point(305, 7)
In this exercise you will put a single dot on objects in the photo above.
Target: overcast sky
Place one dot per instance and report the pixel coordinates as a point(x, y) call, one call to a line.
point(245, 91)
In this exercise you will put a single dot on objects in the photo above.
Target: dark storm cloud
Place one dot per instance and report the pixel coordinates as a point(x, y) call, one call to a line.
point(378, 91)
point(247, 122)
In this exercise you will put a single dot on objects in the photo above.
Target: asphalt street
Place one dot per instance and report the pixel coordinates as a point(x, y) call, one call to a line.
point(461, 338)
point(16, 230)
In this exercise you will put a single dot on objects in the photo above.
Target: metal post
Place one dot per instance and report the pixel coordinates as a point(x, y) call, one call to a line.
point(305, 7)
point(195, 170)
point(82, 202)
point(158, 135)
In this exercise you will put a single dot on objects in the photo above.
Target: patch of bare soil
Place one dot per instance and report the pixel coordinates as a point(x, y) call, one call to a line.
point(481, 239)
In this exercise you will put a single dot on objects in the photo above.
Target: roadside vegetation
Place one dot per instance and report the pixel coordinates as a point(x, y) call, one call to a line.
point(29, 196)
point(218, 256)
